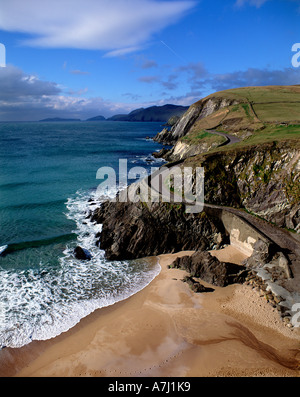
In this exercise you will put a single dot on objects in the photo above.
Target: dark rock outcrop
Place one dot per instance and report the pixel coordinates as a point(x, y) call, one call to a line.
point(82, 254)
point(263, 179)
point(196, 286)
point(160, 154)
point(208, 268)
point(136, 230)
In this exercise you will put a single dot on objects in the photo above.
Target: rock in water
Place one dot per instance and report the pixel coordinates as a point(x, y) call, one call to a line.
point(82, 254)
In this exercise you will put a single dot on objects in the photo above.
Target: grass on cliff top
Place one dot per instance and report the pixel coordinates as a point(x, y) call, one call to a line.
point(265, 94)
point(271, 133)
point(257, 105)
point(261, 115)
point(198, 137)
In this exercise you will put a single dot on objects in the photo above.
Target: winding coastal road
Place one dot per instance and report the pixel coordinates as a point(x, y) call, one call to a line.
point(283, 239)
point(230, 139)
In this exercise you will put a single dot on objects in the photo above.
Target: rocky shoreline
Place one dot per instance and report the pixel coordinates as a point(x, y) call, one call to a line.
point(136, 230)
point(276, 301)
point(252, 194)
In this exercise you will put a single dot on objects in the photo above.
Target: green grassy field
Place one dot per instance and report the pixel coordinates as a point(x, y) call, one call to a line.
point(263, 114)
point(204, 136)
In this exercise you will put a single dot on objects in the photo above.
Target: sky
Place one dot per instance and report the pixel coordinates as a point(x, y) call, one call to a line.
point(84, 58)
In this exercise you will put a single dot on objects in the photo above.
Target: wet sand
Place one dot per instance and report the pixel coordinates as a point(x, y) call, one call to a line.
point(167, 330)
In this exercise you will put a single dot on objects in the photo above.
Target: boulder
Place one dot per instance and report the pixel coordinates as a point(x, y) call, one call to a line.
point(263, 251)
point(82, 254)
point(208, 268)
point(160, 154)
point(196, 286)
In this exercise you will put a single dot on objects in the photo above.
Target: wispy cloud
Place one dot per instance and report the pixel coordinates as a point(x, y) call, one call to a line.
point(148, 64)
point(149, 79)
point(169, 83)
point(195, 70)
point(80, 92)
point(118, 27)
point(252, 77)
point(79, 72)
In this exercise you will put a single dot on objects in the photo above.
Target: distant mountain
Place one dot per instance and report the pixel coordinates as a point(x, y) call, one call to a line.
point(97, 118)
point(59, 119)
point(153, 113)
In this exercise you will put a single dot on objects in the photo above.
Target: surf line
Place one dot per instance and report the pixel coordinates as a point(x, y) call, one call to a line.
point(10, 248)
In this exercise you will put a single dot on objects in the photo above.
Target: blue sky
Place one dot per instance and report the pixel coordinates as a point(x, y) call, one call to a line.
point(82, 58)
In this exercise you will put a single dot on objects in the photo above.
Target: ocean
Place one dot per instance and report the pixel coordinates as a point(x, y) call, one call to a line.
point(47, 188)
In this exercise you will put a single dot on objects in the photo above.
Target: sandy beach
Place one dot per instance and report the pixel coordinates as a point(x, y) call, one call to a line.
point(168, 330)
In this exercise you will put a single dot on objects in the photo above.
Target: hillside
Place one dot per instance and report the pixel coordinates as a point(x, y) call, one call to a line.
point(97, 118)
point(254, 114)
point(57, 119)
point(153, 113)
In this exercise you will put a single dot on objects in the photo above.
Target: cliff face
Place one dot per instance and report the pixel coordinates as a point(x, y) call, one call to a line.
point(262, 179)
point(136, 230)
point(197, 111)
point(183, 150)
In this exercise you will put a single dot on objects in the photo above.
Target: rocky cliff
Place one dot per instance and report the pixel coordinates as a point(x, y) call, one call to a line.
point(136, 230)
point(197, 111)
point(263, 179)
point(252, 190)
point(260, 175)
point(186, 148)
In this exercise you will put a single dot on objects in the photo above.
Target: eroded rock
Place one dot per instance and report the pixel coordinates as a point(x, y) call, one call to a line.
point(208, 268)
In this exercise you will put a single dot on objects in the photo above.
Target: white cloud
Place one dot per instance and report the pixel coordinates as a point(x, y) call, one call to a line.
point(16, 84)
point(118, 27)
point(24, 97)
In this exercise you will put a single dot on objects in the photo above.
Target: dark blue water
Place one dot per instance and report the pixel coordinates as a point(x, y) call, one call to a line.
point(48, 174)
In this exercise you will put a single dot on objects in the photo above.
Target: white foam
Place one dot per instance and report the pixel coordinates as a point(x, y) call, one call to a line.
point(41, 303)
point(149, 160)
point(3, 248)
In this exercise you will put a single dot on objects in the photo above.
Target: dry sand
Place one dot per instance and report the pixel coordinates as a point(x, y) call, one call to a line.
point(167, 330)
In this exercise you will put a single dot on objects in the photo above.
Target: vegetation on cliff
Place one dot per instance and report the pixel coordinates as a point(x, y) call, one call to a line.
point(259, 174)
point(255, 114)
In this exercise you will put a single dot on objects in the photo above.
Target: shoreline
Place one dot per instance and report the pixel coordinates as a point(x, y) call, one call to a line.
point(167, 330)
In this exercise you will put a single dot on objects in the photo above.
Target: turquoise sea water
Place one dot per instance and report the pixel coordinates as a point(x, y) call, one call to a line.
point(47, 178)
